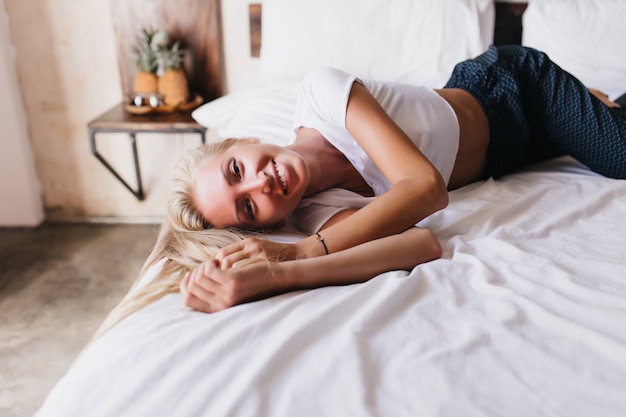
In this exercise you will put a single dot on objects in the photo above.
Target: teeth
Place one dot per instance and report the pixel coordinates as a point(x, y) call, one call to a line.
point(281, 176)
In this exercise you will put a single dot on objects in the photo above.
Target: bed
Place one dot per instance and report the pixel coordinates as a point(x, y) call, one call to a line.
point(524, 314)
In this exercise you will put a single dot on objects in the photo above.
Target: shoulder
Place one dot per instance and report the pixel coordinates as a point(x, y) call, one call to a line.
point(325, 82)
point(327, 76)
point(323, 94)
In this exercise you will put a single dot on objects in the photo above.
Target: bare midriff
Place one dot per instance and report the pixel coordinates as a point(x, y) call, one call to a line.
point(473, 137)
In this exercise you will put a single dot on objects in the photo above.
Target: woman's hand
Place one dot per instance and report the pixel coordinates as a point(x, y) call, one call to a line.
point(210, 288)
point(255, 247)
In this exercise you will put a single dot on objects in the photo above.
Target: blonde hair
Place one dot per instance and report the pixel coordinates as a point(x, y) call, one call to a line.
point(181, 209)
point(185, 239)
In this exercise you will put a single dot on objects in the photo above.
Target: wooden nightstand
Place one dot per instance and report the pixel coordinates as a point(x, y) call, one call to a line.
point(119, 120)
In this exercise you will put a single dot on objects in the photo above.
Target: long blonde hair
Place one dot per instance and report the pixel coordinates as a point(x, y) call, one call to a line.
point(185, 239)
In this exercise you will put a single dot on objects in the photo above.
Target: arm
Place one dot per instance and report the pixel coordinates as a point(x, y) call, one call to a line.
point(209, 288)
point(417, 191)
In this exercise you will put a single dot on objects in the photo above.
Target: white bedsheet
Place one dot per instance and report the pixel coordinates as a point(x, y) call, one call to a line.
point(525, 315)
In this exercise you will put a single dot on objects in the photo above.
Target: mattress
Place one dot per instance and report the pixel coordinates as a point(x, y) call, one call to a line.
point(524, 315)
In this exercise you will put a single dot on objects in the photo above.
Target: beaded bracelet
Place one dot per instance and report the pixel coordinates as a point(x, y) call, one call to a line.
point(321, 240)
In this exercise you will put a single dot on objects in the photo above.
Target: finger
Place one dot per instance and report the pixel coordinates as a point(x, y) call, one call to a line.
point(230, 260)
point(195, 294)
point(202, 276)
point(189, 299)
point(201, 284)
point(230, 249)
point(183, 284)
point(198, 304)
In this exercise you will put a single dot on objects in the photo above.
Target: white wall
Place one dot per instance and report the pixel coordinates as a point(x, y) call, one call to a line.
point(20, 194)
point(241, 70)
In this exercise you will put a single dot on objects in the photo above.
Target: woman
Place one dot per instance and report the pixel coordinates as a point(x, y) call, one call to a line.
point(381, 155)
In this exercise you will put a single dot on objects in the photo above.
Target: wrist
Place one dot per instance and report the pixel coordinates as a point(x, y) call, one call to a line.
point(320, 239)
point(284, 277)
point(310, 247)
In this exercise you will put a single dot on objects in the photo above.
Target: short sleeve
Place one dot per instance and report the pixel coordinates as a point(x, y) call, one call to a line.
point(313, 212)
point(323, 97)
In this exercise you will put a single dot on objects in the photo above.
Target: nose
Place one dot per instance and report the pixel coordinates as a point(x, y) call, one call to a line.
point(262, 182)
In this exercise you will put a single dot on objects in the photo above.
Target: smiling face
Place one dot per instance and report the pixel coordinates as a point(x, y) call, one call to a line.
point(250, 185)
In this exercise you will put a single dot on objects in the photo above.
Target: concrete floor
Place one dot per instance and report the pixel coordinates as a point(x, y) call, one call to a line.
point(57, 283)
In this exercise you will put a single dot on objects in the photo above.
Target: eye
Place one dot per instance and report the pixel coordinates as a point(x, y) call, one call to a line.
point(235, 169)
point(249, 210)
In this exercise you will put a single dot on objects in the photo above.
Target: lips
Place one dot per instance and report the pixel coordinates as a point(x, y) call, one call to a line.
point(282, 176)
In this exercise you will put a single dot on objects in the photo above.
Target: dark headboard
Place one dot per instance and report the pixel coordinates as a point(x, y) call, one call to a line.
point(508, 24)
point(507, 30)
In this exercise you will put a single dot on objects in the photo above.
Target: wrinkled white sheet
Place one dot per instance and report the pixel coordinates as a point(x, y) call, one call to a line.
point(525, 315)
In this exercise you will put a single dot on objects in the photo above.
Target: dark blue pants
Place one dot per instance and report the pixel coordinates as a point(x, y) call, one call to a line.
point(538, 111)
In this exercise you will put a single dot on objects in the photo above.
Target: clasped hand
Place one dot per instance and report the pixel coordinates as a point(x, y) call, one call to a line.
point(240, 273)
point(254, 247)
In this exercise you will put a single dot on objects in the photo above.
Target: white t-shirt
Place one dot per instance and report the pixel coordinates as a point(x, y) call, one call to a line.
point(421, 113)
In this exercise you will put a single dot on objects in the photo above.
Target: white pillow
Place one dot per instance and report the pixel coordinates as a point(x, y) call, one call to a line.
point(265, 113)
point(584, 37)
point(216, 114)
point(416, 41)
point(267, 116)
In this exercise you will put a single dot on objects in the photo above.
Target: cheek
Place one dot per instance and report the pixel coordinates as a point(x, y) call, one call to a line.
point(274, 211)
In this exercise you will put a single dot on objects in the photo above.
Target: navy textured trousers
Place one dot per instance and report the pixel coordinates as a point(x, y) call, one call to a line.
point(537, 111)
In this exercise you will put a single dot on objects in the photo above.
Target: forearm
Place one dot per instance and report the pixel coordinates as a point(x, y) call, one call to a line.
point(210, 287)
point(394, 212)
point(359, 263)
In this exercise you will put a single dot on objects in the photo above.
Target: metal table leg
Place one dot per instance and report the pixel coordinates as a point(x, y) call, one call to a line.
point(139, 191)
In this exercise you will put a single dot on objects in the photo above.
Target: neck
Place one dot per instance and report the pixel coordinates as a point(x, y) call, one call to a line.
point(327, 166)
